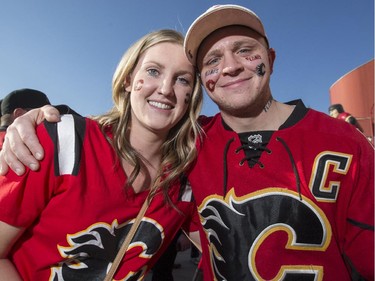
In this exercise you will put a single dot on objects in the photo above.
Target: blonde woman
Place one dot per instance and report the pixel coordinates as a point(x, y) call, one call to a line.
point(67, 220)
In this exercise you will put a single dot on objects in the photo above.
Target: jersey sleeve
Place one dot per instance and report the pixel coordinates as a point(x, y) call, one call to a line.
point(359, 236)
point(193, 224)
point(22, 198)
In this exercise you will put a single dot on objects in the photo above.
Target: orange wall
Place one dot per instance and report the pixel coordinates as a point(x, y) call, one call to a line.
point(355, 91)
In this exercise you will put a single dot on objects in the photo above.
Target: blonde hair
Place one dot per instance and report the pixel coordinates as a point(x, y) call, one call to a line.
point(178, 151)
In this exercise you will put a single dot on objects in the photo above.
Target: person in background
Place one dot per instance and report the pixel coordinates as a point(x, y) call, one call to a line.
point(195, 255)
point(284, 192)
point(68, 219)
point(337, 111)
point(17, 103)
point(163, 269)
point(20, 101)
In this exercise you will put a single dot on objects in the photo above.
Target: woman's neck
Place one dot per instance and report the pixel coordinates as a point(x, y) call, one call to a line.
point(148, 145)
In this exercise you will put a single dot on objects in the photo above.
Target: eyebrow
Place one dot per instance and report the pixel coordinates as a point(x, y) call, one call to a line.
point(215, 52)
point(162, 66)
point(235, 45)
point(153, 62)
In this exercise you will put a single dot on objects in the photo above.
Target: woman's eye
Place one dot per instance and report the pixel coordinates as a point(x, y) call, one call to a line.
point(153, 72)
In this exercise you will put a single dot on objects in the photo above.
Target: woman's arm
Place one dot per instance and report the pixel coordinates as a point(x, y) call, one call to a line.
point(8, 236)
point(21, 146)
point(8, 272)
point(195, 239)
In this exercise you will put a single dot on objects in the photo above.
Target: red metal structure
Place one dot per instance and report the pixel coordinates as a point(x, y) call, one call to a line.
point(355, 91)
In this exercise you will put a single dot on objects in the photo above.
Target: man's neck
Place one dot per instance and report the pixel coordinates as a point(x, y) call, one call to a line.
point(269, 119)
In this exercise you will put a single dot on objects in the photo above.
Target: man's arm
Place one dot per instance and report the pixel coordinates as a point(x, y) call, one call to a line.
point(21, 146)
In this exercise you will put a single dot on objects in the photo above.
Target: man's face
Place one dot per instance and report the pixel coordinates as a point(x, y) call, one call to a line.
point(235, 66)
point(334, 113)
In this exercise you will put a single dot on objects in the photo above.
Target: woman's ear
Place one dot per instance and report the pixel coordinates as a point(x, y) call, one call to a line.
point(128, 84)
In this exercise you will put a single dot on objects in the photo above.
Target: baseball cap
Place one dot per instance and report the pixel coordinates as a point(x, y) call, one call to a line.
point(216, 17)
point(23, 98)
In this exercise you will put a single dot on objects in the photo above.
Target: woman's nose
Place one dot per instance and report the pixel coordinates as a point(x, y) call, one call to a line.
point(166, 88)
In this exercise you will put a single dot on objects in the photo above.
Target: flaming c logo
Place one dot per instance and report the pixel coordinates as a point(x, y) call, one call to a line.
point(91, 251)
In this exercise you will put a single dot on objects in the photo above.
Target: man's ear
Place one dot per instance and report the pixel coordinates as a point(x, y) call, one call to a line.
point(271, 57)
point(128, 84)
point(19, 112)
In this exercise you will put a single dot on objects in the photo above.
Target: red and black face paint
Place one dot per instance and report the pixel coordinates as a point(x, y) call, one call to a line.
point(255, 57)
point(210, 85)
point(139, 85)
point(211, 72)
point(187, 98)
point(260, 69)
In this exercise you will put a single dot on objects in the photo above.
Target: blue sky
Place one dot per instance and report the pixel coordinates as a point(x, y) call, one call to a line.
point(69, 49)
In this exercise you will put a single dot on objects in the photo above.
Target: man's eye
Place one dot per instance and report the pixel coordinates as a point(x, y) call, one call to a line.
point(212, 61)
point(244, 51)
point(183, 80)
point(153, 72)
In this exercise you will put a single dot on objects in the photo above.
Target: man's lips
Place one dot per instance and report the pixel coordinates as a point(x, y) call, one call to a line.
point(234, 82)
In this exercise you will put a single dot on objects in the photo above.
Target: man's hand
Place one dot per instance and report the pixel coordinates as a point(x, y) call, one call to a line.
point(21, 146)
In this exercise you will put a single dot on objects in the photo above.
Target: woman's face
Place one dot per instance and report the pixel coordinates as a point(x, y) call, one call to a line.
point(160, 87)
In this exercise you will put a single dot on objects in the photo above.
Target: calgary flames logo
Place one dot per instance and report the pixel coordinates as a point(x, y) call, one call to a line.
point(91, 251)
point(238, 229)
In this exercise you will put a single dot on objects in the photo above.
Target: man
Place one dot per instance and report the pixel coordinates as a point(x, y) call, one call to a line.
point(17, 103)
point(337, 111)
point(284, 192)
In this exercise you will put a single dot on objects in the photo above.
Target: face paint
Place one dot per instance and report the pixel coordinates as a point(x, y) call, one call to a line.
point(139, 85)
point(210, 85)
point(187, 98)
point(212, 71)
point(255, 57)
point(260, 69)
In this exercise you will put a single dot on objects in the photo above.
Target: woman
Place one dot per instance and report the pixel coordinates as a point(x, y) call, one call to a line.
point(67, 221)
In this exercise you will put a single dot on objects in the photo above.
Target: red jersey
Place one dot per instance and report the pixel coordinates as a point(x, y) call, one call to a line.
point(76, 211)
point(2, 136)
point(300, 207)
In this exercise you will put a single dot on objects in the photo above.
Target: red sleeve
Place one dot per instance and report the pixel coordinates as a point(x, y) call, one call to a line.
point(194, 223)
point(22, 198)
point(359, 235)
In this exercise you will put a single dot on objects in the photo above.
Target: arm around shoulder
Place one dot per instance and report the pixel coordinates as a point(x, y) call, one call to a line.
point(21, 145)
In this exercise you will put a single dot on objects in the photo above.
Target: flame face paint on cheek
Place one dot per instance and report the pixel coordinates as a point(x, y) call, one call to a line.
point(139, 85)
point(210, 85)
point(260, 69)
